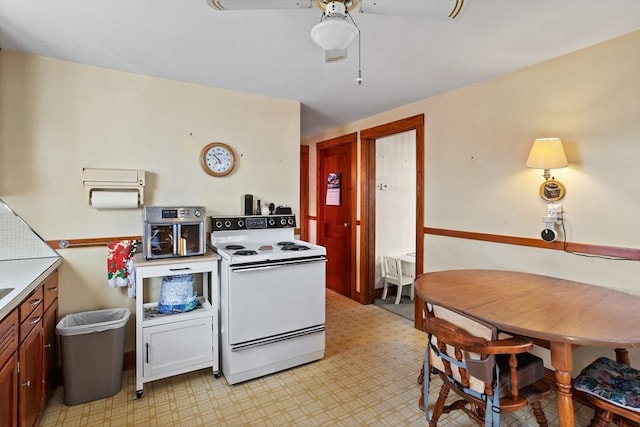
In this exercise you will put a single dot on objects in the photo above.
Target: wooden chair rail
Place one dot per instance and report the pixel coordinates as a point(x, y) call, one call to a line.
point(578, 248)
point(88, 242)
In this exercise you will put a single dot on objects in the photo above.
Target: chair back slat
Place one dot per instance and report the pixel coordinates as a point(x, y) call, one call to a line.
point(392, 267)
point(457, 342)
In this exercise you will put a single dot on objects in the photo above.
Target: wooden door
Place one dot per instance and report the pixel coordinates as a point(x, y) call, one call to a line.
point(49, 358)
point(9, 370)
point(336, 210)
point(30, 377)
point(9, 392)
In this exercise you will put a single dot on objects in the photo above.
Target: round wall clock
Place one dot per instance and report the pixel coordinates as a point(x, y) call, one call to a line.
point(217, 159)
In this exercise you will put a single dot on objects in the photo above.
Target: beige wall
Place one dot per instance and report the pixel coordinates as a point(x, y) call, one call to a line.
point(57, 117)
point(476, 142)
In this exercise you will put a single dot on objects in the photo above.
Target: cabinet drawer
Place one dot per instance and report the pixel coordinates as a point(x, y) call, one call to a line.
point(50, 289)
point(31, 303)
point(173, 269)
point(8, 336)
point(32, 321)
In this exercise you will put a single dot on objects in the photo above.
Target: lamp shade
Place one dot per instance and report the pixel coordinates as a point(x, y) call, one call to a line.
point(334, 33)
point(547, 153)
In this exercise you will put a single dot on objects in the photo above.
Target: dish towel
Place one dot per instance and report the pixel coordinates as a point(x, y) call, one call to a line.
point(120, 269)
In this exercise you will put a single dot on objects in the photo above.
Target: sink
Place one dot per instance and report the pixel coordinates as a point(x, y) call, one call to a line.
point(4, 292)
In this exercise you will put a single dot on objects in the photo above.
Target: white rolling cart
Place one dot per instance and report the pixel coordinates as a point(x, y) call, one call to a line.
point(172, 344)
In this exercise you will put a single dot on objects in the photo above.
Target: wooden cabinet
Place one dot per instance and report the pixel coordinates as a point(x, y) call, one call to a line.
point(9, 392)
point(30, 394)
point(28, 356)
point(9, 370)
point(49, 348)
point(30, 397)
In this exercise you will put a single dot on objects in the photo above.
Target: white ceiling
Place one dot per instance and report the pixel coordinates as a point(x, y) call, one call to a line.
point(269, 52)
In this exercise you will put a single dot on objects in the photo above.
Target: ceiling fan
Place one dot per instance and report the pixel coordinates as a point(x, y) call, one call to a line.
point(337, 29)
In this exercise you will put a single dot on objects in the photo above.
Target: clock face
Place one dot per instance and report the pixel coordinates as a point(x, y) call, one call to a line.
point(217, 159)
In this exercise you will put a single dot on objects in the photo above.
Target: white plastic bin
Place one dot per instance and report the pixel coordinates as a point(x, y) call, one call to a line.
point(92, 351)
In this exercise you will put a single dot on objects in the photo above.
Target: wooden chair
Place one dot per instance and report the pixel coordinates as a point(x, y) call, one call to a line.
point(490, 376)
point(613, 388)
point(393, 275)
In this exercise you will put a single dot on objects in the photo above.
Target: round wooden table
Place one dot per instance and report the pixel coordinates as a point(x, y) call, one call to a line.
point(560, 314)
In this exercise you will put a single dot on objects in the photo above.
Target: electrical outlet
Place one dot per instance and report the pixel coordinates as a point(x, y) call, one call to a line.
point(553, 216)
point(554, 212)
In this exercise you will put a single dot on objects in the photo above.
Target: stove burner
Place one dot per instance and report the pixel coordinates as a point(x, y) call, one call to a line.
point(294, 247)
point(234, 247)
point(285, 243)
point(245, 252)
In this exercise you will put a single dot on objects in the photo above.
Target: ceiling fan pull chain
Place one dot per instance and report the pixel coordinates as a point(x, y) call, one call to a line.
point(359, 78)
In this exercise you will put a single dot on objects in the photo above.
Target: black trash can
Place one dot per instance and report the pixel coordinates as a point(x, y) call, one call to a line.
point(92, 345)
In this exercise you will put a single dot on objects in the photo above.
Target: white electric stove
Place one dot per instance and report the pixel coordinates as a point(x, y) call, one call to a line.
point(272, 304)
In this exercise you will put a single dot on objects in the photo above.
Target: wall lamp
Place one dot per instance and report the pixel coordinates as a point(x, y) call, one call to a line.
point(547, 154)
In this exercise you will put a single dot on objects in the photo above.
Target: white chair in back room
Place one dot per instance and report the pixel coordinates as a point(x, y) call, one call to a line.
point(392, 275)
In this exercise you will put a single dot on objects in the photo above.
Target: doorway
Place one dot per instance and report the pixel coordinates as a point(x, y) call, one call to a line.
point(395, 218)
point(368, 139)
point(336, 210)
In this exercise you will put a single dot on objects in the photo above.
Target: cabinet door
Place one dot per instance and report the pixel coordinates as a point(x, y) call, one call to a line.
point(30, 378)
point(174, 347)
point(49, 356)
point(9, 392)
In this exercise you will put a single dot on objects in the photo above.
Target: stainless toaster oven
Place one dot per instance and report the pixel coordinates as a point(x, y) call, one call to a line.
point(174, 231)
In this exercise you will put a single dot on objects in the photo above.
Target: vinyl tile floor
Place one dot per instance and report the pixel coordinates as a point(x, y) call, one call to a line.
point(367, 378)
point(405, 308)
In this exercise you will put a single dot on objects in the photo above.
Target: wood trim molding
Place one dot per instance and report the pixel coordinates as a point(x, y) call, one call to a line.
point(580, 248)
point(88, 242)
point(304, 192)
point(392, 128)
point(368, 139)
point(367, 218)
point(344, 139)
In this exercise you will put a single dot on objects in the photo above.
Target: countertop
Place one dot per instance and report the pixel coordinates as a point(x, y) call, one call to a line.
point(24, 275)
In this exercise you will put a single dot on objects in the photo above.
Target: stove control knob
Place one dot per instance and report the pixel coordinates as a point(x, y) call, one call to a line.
point(291, 221)
point(227, 224)
point(218, 223)
point(283, 221)
point(240, 223)
point(272, 222)
point(197, 213)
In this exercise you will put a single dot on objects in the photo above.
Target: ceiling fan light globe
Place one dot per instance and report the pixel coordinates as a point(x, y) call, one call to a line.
point(334, 34)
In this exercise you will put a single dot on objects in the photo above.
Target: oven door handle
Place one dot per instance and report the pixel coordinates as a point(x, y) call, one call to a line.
point(247, 268)
point(276, 339)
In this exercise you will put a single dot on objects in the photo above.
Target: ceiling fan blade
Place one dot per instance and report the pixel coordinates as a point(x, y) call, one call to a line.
point(259, 4)
point(335, 55)
point(434, 9)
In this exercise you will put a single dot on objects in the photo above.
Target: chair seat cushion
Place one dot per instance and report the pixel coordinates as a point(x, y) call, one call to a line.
point(614, 382)
point(530, 369)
